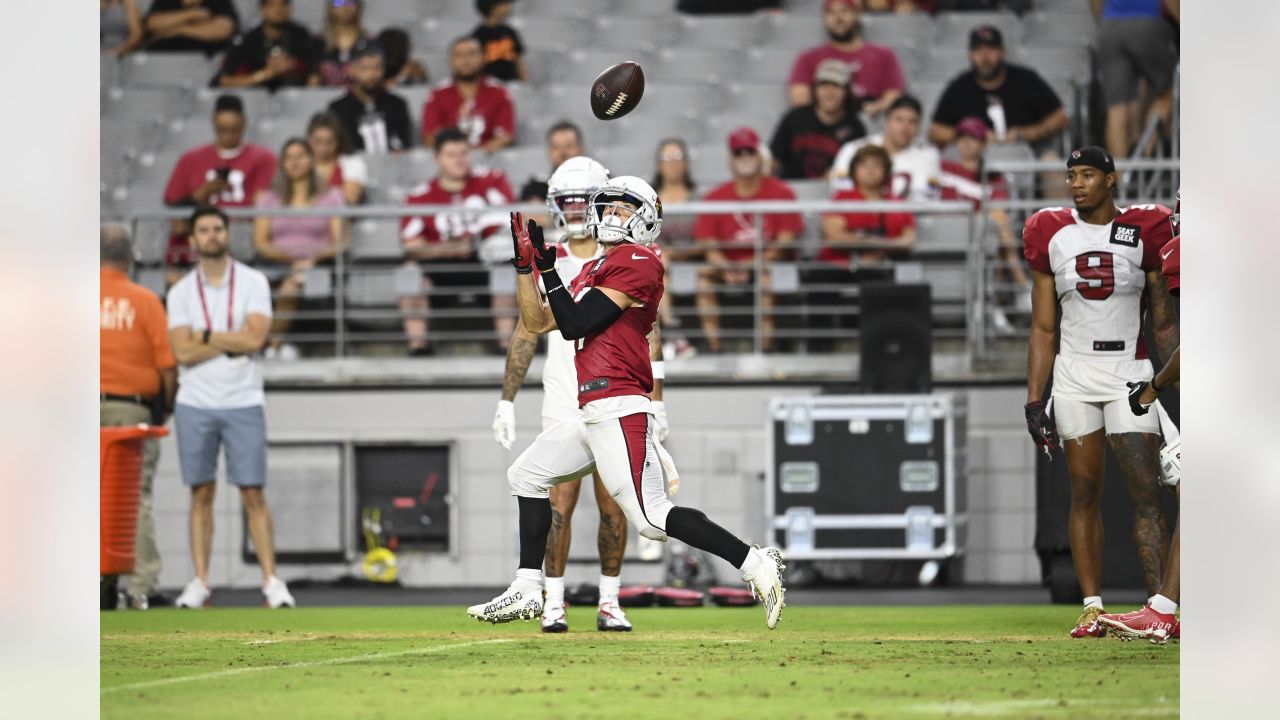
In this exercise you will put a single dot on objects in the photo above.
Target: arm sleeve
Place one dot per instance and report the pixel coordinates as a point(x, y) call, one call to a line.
point(258, 301)
point(1035, 246)
point(593, 313)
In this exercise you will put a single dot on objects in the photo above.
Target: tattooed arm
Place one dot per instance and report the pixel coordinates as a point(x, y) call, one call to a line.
point(1164, 321)
point(519, 356)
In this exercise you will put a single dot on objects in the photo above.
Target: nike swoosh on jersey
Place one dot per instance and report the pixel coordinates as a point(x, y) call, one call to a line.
point(1165, 255)
point(638, 257)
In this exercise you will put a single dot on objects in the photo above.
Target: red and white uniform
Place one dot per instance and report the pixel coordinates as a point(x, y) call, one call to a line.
point(1171, 265)
point(916, 169)
point(488, 115)
point(613, 431)
point(1100, 275)
point(559, 374)
point(473, 219)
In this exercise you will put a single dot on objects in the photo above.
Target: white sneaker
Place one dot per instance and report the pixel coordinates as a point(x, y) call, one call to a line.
point(195, 595)
point(271, 352)
point(766, 583)
point(289, 352)
point(522, 602)
point(554, 619)
point(610, 618)
point(277, 594)
point(1000, 323)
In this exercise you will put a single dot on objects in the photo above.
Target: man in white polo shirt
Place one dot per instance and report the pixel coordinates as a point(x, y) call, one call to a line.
point(219, 317)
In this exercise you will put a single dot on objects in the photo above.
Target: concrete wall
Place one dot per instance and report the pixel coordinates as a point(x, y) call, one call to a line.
point(717, 441)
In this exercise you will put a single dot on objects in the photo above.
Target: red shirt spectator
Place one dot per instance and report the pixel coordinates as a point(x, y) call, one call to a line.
point(470, 101)
point(870, 236)
point(736, 232)
point(876, 75)
point(481, 189)
point(961, 183)
point(883, 224)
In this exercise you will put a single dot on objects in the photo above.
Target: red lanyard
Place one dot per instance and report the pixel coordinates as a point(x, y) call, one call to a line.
point(231, 297)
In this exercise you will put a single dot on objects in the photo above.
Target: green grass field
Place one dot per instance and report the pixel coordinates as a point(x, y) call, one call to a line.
point(822, 662)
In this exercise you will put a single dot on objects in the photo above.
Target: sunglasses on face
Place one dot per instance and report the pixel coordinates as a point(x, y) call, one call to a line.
point(672, 157)
point(744, 152)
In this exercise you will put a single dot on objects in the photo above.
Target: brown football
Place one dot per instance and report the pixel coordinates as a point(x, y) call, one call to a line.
point(617, 91)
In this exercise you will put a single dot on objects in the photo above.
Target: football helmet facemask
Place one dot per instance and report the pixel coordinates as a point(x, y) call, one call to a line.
point(1175, 220)
point(569, 192)
point(645, 222)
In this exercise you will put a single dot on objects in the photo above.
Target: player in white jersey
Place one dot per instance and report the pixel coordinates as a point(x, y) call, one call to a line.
point(568, 191)
point(917, 166)
point(1095, 262)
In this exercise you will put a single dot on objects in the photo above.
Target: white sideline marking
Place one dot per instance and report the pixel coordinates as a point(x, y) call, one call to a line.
point(263, 642)
point(290, 666)
point(988, 708)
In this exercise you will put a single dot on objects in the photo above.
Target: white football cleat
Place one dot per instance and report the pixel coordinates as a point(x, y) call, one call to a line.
point(554, 619)
point(515, 603)
point(277, 594)
point(610, 618)
point(195, 595)
point(766, 583)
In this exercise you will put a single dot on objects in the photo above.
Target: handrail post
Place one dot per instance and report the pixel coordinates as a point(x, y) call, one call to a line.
point(758, 336)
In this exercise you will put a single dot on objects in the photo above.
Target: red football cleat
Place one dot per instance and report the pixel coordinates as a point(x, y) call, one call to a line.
point(1141, 624)
point(1087, 625)
point(1177, 631)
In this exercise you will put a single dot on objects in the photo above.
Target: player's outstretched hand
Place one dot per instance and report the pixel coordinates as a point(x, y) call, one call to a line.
point(523, 259)
point(1042, 428)
point(661, 428)
point(543, 257)
point(1136, 390)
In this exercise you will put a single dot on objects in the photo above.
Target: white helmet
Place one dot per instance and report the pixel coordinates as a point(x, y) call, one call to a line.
point(575, 180)
point(642, 227)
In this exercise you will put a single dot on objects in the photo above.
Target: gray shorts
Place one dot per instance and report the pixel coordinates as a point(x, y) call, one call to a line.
point(1130, 49)
point(242, 431)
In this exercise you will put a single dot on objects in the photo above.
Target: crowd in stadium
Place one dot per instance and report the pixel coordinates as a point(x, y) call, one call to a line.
point(855, 124)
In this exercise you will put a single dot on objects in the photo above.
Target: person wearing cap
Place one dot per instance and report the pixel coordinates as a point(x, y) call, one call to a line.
point(137, 382)
point(1099, 266)
point(229, 172)
point(808, 137)
point(916, 165)
point(376, 120)
point(967, 179)
point(878, 77)
point(1012, 100)
point(730, 240)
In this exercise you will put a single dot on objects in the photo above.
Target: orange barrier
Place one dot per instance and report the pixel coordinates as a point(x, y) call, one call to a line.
point(120, 467)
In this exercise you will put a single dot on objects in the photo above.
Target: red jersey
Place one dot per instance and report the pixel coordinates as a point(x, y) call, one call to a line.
point(615, 361)
point(1171, 265)
point(488, 115)
point(735, 233)
point(473, 219)
point(960, 183)
point(251, 171)
point(881, 224)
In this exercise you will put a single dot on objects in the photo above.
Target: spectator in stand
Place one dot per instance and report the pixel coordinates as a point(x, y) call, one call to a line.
point(227, 173)
point(877, 77)
point(1137, 39)
point(564, 140)
point(297, 244)
point(860, 239)
point(729, 240)
point(137, 381)
point(900, 7)
point(205, 26)
point(499, 42)
point(808, 137)
point(967, 179)
point(916, 165)
point(481, 108)
point(674, 184)
point(402, 67)
point(377, 121)
point(334, 160)
point(277, 53)
point(1014, 101)
point(344, 32)
point(449, 241)
point(219, 316)
point(120, 25)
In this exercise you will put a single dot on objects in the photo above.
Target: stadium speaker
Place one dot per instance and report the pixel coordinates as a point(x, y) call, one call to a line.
point(896, 345)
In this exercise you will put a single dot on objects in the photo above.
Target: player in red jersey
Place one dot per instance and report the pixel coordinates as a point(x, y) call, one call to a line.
point(448, 242)
point(1095, 262)
point(609, 310)
point(1157, 621)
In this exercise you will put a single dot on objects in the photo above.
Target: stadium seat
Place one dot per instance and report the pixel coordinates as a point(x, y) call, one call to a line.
point(722, 32)
point(520, 162)
point(272, 133)
point(380, 14)
point(649, 7)
point(565, 102)
point(767, 99)
point(299, 104)
point(580, 67)
point(146, 188)
point(151, 240)
point(152, 279)
point(1044, 28)
point(108, 71)
point(709, 164)
point(178, 70)
point(810, 189)
point(948, 282)
point(629, 159)
point(631, 34)
point(122, 143)
point(943, 62)
point(435, 34)
point(683, 65)
point(928, 93)
point(643, 133)
point(193, 132)
point(669, 99)
point(772, 64)
point(952, 28)
point(376, 239)
point(916, 29)
point(369, 287)
point(551, 31)
point(415, 96)
point(528, 98)
point(1058, 63)
point(794, 31)
point(142, 104)
point(570, 8)
point(942, 233)
point(240, 242)
point(909, 59)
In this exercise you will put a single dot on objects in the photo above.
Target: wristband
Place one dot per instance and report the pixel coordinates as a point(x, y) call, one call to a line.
point(659, 370)
point(207, 333)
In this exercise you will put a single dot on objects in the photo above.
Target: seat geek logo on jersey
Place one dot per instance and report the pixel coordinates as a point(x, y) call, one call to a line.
point(1126, 235)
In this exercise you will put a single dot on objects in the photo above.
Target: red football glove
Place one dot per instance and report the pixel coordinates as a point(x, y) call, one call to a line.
point(523, 260)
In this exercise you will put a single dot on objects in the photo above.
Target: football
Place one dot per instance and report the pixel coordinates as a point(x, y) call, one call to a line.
point(617, 91)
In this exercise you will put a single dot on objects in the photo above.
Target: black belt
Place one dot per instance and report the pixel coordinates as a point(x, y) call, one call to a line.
point(142, 400)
